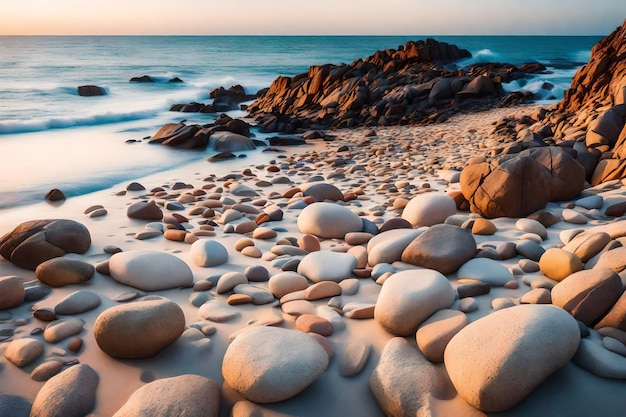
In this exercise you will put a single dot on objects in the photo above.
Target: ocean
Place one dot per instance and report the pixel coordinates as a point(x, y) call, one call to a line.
point(50, 137)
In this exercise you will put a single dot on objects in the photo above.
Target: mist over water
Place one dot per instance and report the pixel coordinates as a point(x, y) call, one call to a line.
point(50, 137)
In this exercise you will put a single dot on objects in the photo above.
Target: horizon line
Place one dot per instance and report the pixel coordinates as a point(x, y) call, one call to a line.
point(319, 35)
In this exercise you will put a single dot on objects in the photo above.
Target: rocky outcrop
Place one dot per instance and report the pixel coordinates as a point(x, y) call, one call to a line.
point(590, 120)
point(223, 100)
point(408, 85)
point(225, 135)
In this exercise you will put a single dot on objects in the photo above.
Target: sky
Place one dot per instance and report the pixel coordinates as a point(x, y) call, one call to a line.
point(310, 17)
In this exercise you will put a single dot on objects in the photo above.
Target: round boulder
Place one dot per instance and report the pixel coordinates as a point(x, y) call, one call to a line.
point(36, 241)
point(410, 297)
point(185, 395)
point(442, 247)
point(497, 361)
point(429, 209)
point(328, 220)
point(208, 253)
point(270, 364)
point(559, 264)
point(485, 270)
point(72, 393)
point(150, 270)
point(139, 330)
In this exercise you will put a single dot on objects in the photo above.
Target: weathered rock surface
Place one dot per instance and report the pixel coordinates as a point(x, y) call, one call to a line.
point(72, 393)
point(407, 85)
point(270, 364)
point(140, 329)
point(36, 241)
point(403, 380)
point(497, 361)
point(185, 395)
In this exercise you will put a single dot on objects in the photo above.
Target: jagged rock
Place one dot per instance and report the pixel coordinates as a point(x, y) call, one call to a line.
point(180, 135)
point(394, 86)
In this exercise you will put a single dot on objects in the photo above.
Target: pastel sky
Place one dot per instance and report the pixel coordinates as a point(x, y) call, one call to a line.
point(311, 17)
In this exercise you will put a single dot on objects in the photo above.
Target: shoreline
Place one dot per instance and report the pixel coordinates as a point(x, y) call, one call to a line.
point(424, 157)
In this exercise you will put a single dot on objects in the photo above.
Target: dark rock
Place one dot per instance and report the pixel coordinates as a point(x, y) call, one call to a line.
point(142, 79)
point(55, 195)
point(175, 80)
point(144, 211)
point(91, 91)
point(36, 241)
point(222, 156)
point(286, 141)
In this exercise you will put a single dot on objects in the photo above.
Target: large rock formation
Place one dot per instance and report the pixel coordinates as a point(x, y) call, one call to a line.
point(409, 85)
point(591, 118)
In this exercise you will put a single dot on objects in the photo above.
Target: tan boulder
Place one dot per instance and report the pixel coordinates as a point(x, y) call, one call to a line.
point(588, 294)
point(559, 264)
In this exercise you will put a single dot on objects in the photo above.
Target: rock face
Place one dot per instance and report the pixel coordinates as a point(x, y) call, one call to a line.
point(498, 360)
point(150, 270)
point(523, 184)
point(407, 85)
point(408, 298)
point(185, 395)
point(270, 364)
point(36, 241)
point(140, 329)
point(590, 120)
point(71, 393)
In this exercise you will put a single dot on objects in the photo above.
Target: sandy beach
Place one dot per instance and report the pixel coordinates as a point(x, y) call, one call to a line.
point(380, 170)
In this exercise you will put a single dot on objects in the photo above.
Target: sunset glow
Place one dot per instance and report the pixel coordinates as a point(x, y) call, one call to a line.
point(233, 17)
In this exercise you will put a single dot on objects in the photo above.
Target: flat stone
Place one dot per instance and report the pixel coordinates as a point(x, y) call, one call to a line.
point(258, 295)
point(78, 302)
point(217, 312)
point(587, 245)
point(230, 280)
point(310, 323)
point(532, 226)
point(536, 296)
point(573, 217)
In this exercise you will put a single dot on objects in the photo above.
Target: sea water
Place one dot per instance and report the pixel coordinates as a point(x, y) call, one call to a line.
point(50, 137)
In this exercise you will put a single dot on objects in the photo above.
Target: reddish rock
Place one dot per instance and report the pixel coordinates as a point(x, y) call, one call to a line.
point(36, 241)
